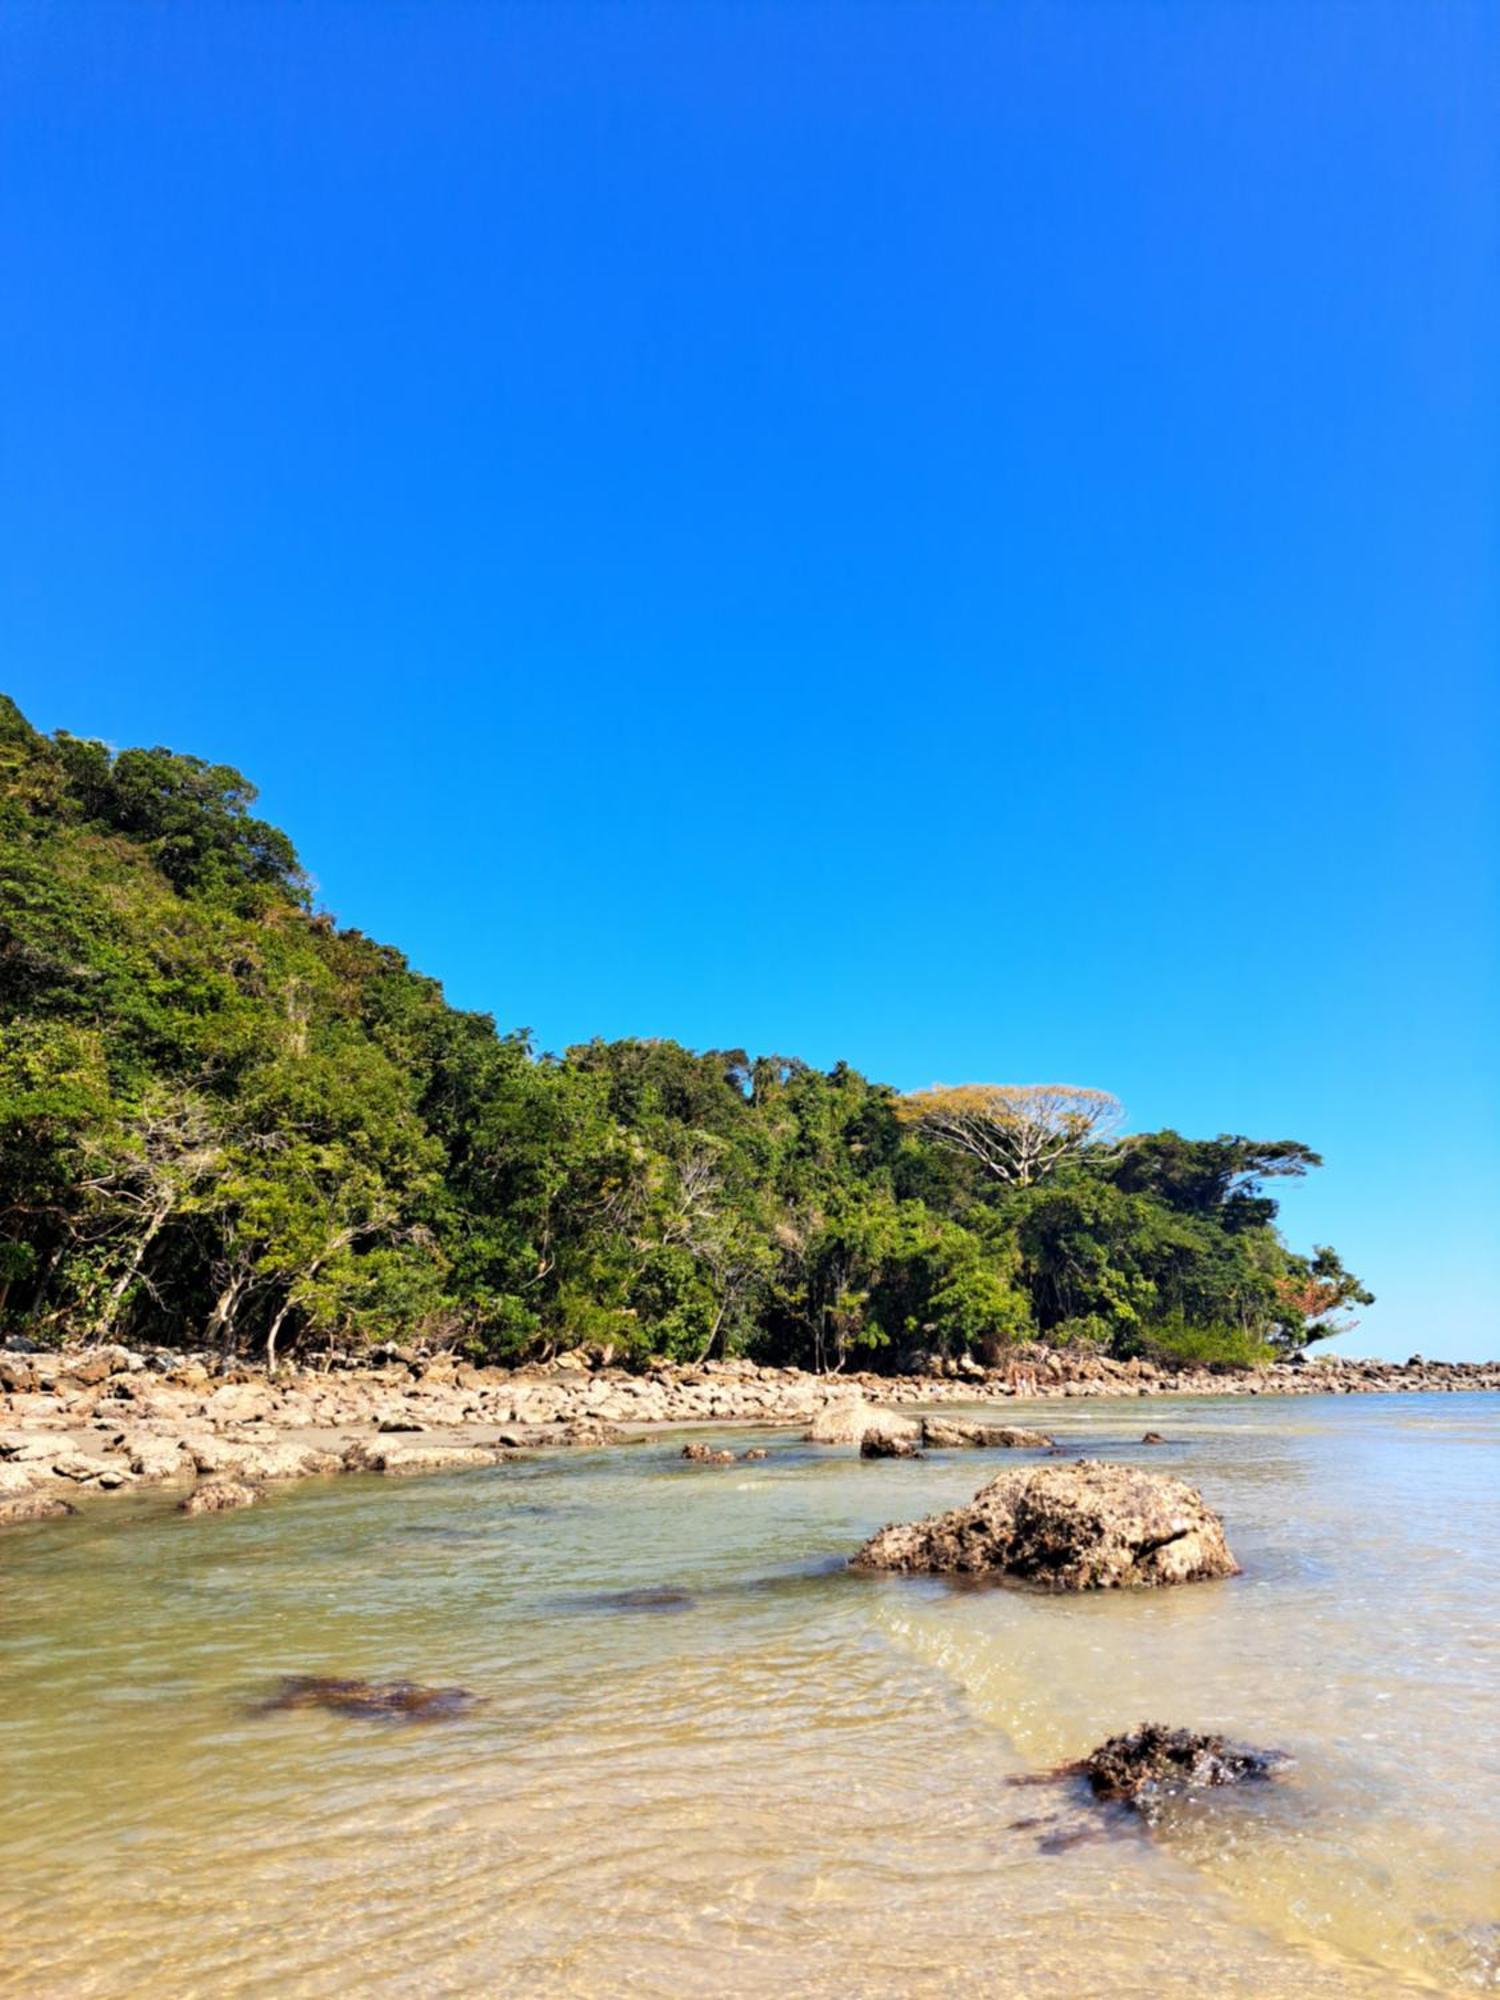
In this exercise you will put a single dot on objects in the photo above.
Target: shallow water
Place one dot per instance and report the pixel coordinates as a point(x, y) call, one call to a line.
point(707, 1760)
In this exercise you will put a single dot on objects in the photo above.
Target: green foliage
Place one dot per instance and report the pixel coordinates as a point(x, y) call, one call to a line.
point(224, 1119)
point(1179, 1342)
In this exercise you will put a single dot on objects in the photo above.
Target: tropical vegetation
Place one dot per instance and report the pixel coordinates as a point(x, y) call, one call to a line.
point(226, 1120)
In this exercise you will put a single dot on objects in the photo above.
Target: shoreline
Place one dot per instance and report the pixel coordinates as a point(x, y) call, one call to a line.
point(112, 1420)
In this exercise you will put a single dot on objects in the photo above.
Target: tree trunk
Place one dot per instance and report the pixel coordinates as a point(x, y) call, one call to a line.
point(281, 1312)
point(123, 1282)
point(221, 1320)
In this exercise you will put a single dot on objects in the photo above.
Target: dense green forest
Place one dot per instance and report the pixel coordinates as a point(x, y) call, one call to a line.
point(226, 1121)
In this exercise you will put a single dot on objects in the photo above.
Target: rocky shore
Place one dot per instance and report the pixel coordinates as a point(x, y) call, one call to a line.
point(109, 1419)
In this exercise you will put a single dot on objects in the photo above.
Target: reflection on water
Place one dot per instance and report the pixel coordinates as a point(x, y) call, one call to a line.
point(709, 1759)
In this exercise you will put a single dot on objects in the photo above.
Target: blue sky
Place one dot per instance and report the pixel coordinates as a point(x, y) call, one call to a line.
point(956, 537)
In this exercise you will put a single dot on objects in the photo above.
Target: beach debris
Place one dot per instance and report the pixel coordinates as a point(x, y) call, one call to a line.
point(1076, 1526)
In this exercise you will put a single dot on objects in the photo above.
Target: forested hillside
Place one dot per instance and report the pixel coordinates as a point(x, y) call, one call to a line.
point(225, 1120)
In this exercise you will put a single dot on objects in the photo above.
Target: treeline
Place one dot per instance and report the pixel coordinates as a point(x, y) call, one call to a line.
point(224, 1120)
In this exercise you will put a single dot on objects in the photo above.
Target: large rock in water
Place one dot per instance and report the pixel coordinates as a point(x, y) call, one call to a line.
point(959, 1433)
point(1083, 1526)
point(853, 1421)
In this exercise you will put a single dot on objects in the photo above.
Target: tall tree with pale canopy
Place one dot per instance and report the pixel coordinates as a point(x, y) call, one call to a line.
point(1018, 1132)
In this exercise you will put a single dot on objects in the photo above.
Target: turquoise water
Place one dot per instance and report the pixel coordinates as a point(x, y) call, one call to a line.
point(796, 1777)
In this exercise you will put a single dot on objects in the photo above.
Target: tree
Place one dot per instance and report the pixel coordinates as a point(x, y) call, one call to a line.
point(1311, 1291)
point(1018, 1132)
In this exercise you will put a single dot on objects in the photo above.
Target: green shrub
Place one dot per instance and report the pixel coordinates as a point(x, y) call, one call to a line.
point(1179, 1342)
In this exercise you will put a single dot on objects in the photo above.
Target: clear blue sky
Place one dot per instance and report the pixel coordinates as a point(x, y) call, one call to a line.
point(957, 537)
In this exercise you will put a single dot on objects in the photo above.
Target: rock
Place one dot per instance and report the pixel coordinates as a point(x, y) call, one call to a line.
point(582, 1433)
point(1080, 1526)
point(17, 1376)
point(704, 1454)
point(1153, 1437)
point(852, 1422)
point(398, 1459)
point(158, 1458)
point(1154, 1763)
point(83, 1468)
point(97, 1364)
point(401, 1701)
point(400, 1424)
point(885, 1444)
point(19, 1507)
point(955, 1433)
point(755, 1451)
point(220, 1496)
point(259, 1458)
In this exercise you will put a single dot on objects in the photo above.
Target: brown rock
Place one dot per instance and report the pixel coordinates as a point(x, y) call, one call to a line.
point(398, 1459)
point(951, 1433)
point(704, 1454)
point(887, 1444)
point(1153, 1763)
point(219, 1496)
point(1082, 1526)
point(19, 1507)
point(376, 1700)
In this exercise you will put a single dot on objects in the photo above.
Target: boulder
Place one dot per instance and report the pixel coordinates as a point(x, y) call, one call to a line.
point(399, 1459)
point(1154, 1763)
point(853, 1421)
point(1153, 1437)
point(259, 1458)
point(888, 1444)
point(85, 1469)
point(18, 1507)
point(958, 1433)
point(756, 1451)
point(705, 1454)
point(220, 1496)
point(1081, 1526)
point(158, 1458)
point(17, 1376)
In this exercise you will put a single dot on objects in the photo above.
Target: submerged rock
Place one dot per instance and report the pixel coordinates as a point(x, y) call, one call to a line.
point(220, 1496)
point(1081, 1526)
point(1154, 1763)
point(885, 1444)
point(755, 1451)
point(705, 1454)
point(1153, 1437)
point(404, 1701)
point(958, 1433)
point(651, 1597)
